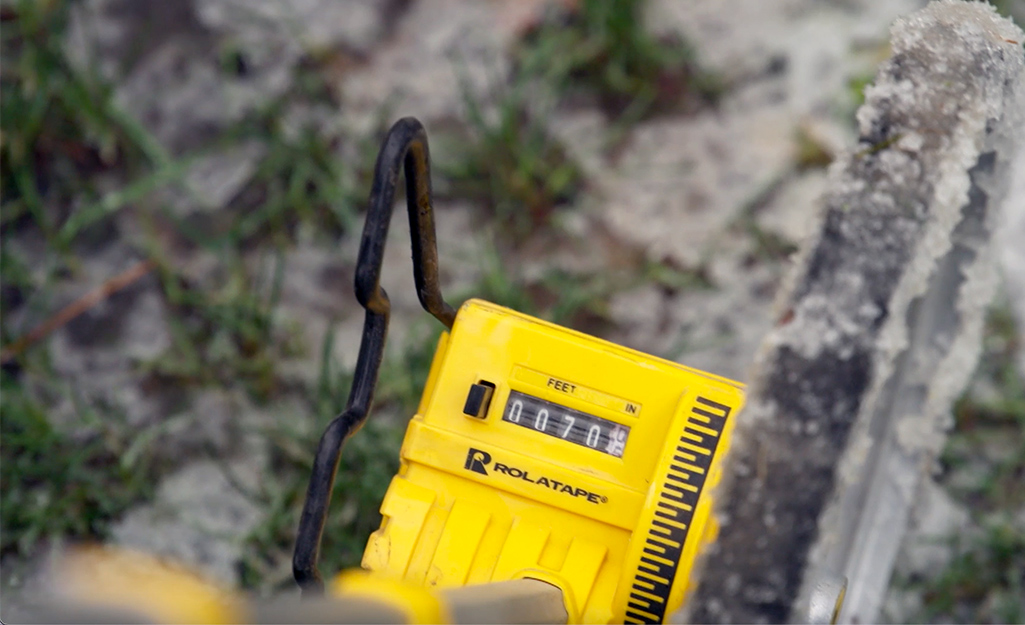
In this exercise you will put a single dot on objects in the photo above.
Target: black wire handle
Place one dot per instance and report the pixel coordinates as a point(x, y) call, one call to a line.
point(406, 144)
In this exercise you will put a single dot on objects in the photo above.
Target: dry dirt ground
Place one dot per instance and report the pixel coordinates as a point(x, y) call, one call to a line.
point(674, 244)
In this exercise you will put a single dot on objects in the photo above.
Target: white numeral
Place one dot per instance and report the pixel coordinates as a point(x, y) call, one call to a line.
point(541, 420)
point(516, 411)
point(569, 426)
point(592, 435)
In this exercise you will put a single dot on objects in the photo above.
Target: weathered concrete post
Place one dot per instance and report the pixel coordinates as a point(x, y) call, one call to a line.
point(878, 329)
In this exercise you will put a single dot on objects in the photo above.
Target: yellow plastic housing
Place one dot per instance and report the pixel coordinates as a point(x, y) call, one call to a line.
point(480, 499)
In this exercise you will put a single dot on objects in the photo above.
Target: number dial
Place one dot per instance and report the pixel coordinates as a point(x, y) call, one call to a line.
point(571, 425)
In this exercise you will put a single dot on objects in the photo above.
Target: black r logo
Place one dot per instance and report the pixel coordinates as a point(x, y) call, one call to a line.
point(476, 461)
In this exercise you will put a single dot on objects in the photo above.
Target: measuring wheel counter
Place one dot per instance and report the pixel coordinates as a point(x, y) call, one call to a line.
point(541, 452)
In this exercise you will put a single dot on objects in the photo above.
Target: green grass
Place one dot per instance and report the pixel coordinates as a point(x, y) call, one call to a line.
point(368, 462)
point(226, 335)
point(765, 245)
point(509, 161)
point(59, 127)
point(506, 159)
point(58, 131)
point(985, 581)
point(856, 86)
point(301, 191)
point(61, 134)
point(603, 50)
point(404, 375)
point(999, 412)
point(55, 486)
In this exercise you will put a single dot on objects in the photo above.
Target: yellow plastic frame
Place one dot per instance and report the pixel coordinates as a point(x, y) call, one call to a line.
point(618, 535)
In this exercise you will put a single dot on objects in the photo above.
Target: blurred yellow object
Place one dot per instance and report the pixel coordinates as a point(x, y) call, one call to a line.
point(514, 601)
point(102, 584)
point(142, 585)
point(417, 604)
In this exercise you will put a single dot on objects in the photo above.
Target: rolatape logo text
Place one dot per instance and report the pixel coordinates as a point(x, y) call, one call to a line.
point(477, 460)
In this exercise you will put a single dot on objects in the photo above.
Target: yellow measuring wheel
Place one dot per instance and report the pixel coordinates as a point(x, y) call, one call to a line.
point(537, 452)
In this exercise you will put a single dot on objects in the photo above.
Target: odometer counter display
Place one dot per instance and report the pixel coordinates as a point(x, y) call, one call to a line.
point(570, 425)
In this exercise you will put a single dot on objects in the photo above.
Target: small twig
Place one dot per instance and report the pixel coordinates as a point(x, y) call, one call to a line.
point(78, 307)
